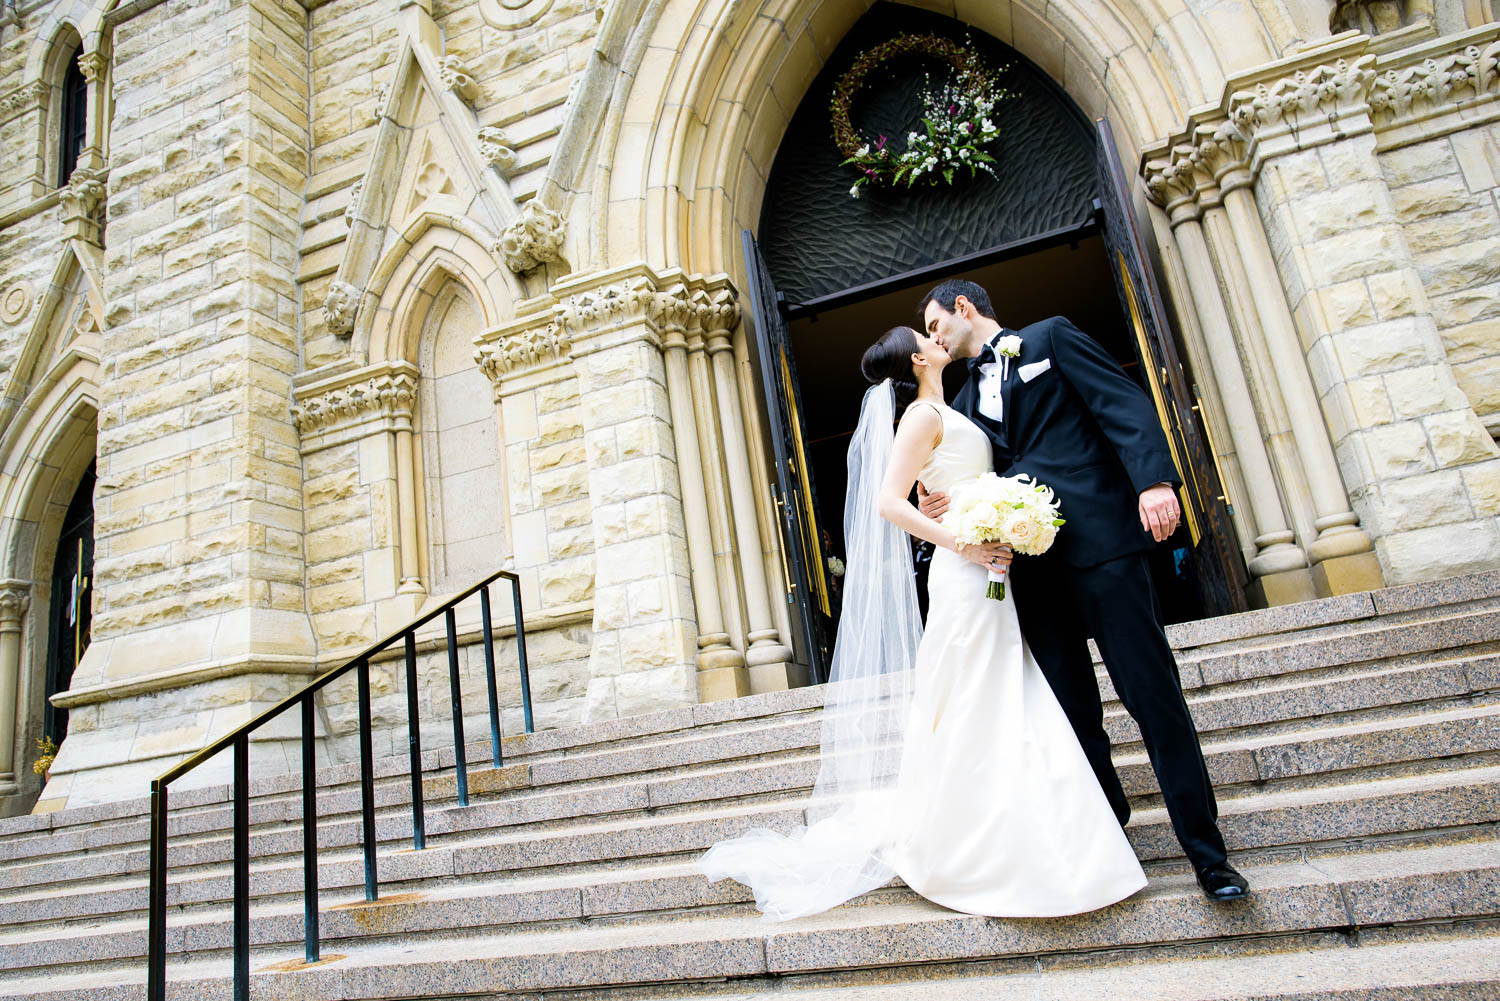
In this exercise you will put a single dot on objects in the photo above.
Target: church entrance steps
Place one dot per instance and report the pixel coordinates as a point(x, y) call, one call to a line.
point(1356, 754)
point(481, 944)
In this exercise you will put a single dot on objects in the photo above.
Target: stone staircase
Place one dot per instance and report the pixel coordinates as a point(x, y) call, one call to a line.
point(1355, 743)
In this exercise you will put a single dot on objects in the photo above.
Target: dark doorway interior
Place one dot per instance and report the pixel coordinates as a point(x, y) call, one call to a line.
point(72, 602)
point(1072, 280)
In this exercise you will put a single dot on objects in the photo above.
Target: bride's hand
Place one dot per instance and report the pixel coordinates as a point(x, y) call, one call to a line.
point(994, 556)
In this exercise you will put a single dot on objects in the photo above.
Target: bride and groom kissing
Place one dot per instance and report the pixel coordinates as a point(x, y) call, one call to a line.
point(968, 756)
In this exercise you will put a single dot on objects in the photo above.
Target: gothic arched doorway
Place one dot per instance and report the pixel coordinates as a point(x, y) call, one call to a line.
point(72, 603)
point(1053, 233)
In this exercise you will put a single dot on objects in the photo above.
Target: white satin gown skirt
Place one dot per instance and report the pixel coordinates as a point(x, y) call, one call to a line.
point(998, 811)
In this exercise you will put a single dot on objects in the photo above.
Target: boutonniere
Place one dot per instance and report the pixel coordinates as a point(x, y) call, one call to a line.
point(1006, 348)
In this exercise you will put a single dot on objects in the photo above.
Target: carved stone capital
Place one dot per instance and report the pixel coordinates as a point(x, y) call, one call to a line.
point(1307, 96)
point(533, 239)
point(1172, 182)
point(672, 310)
point(340, 307)
point(92, 65)
point(495, 149)
point(83, 205)
point(598, 309)
point(456, 77)
point(385, 394)
point(15, 596)
point(522, 349)
point(719, 314)
point(1449, 79)
point(27, 97)
point(1222, 149)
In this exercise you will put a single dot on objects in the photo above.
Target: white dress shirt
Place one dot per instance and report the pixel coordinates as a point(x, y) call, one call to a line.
point(991, 379)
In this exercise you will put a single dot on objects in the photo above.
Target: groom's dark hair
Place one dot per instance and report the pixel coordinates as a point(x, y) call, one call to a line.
point(946, 295)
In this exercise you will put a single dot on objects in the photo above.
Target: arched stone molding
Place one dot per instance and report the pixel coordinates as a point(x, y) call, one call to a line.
point(78, 268)
point(686, 166)
point(43, 456)
point(432, 247)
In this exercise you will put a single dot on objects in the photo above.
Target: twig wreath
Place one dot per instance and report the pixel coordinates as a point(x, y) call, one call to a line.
point(956, 119)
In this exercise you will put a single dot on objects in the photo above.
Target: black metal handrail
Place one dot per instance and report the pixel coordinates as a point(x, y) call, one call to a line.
point(156, 976)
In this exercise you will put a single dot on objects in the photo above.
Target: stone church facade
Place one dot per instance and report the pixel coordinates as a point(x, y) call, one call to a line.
point(327, 308)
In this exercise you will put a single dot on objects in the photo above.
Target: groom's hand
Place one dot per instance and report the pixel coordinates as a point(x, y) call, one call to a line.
point(932, 505)
point(1160, 511)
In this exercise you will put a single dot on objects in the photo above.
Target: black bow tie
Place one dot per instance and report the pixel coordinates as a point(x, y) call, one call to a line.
point(986, 356)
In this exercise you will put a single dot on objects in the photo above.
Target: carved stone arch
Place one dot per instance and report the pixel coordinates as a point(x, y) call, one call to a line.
point(699, 140)
point(72, 307)
point(66, 27)
point(43, 455)
point(43, 460)
point(432, 247)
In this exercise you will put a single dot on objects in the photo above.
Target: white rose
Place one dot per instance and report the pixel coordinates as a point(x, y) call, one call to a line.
point(1020, 531)
point(1009, 346)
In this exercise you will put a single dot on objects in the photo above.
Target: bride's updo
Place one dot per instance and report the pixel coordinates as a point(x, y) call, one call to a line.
point(890, 358)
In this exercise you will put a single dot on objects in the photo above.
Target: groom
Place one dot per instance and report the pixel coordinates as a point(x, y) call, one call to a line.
point(1056, 406)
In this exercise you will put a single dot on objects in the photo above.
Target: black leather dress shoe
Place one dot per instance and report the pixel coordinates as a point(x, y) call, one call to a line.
point(1223, 882)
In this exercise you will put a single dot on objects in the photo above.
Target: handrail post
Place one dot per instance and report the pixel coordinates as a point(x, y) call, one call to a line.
point(309, 832)
point(414, 745)
point(156, 948)
point(456, 695)
point(515, 592)
point(367, 778)
point(242, 867)
point(489, 674)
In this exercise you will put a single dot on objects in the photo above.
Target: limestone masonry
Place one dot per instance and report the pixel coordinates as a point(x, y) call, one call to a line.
point(348, 304)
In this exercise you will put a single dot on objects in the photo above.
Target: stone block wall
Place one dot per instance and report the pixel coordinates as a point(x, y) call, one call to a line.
point(1447, 197)
point(1419, 465)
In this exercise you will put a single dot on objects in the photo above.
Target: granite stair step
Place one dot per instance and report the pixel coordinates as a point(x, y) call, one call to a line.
point(1329, 894)
point(1243, 769)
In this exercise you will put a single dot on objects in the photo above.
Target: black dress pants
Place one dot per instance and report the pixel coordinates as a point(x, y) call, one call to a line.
point(1059, 607)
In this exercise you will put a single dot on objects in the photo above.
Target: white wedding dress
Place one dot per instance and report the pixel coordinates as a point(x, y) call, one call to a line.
point(997, 811)
point(988, 805)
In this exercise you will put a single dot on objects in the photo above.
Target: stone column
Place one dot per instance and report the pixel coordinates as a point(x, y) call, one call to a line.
point(721, 668)
point(768, 657)
point(1175, 186)
point(406, 504)
point(14, 597)
point(1337, 526)
point(643, 653)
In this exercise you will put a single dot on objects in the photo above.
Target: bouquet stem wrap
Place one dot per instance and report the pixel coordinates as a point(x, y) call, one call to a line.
point(996, 588)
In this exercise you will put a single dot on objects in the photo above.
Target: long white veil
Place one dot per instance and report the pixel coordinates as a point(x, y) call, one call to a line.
point(867, 700)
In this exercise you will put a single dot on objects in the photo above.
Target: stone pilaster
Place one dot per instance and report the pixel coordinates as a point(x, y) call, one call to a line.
point(200, 614)
point(644, 631)
point(1224, 152)
point(769, 659)
point(721, 668)
point(15, 596)
point(1176, 184)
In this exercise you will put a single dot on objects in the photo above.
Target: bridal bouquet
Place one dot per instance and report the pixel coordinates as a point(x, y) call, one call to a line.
point(1013, 509)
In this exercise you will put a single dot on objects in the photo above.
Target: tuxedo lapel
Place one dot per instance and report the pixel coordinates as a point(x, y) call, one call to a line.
point(1007, 385)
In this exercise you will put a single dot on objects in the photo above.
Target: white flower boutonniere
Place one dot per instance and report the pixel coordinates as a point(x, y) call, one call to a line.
point(1006, 348)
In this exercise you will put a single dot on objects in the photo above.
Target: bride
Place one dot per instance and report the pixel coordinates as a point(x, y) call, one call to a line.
point(946, 759)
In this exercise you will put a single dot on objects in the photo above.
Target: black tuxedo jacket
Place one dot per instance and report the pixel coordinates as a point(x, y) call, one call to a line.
point(1082, 427)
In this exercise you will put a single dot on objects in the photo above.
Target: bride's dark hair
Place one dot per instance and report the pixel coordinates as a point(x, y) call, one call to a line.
point(890, 358)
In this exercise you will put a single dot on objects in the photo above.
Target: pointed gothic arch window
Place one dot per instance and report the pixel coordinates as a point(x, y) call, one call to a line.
point(459, 448)
point(73, 122)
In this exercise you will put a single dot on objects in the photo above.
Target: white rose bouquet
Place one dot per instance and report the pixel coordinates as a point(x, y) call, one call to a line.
point(1012, 509)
